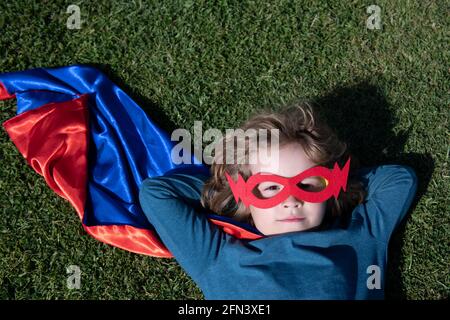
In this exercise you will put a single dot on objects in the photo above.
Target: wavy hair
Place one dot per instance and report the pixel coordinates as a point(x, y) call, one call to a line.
point(297, 123)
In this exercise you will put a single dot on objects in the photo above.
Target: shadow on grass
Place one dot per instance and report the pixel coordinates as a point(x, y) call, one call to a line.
point(362, 117)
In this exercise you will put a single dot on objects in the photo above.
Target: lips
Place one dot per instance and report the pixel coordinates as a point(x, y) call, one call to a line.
point(293, 219)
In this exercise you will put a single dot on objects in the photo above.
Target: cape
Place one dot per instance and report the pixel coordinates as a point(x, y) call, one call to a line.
point(94, 146)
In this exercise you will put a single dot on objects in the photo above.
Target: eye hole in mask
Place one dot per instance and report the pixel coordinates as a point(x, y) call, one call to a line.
point(269, 189)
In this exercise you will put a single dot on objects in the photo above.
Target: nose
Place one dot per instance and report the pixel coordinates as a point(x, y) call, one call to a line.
point(292, 202)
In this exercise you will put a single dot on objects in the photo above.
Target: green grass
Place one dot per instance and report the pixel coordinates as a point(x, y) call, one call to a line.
point(384, 91)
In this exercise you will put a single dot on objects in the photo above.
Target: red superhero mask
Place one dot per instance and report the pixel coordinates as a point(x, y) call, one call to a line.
point(316, 184)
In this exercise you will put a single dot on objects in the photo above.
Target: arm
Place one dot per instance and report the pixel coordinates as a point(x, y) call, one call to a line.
point(391, 189)
point(172, 205)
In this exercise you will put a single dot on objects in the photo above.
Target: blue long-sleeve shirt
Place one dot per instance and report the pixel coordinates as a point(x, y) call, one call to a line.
point(338, 263)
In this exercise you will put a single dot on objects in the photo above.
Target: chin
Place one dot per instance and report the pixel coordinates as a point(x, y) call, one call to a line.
point(298, 228)
point(286, 229)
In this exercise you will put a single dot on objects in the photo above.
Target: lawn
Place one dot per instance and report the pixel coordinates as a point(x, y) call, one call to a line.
point(385, 91)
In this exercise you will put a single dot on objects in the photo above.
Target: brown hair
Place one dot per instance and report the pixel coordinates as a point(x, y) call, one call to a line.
point(297, 123)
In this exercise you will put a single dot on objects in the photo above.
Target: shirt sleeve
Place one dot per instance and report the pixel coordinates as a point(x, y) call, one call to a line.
point(172, 205)
point(391, 190)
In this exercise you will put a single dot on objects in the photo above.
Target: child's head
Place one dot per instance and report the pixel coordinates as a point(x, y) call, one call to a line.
point(304, 142)
point(292, 214)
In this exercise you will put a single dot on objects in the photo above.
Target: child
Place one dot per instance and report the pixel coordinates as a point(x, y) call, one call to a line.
point(332, 249)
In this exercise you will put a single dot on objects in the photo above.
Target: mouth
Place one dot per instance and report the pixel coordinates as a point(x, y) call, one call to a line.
point(296, 219)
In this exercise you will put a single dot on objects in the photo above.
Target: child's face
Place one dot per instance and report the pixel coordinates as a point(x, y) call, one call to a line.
point(292, 161)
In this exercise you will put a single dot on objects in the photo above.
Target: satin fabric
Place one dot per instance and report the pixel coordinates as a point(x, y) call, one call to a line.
point(94, 146)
